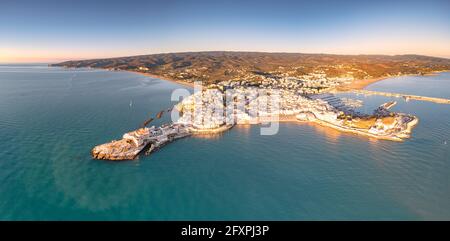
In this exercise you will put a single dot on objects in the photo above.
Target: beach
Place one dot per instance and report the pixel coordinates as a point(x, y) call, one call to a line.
point(363, 83)
point(184, 83)
point(359, 84)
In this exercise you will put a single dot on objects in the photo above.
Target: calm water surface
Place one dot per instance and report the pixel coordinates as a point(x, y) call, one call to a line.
point(50, 118)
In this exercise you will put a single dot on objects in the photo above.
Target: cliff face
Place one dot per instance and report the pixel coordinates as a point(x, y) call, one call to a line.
point(212, 67)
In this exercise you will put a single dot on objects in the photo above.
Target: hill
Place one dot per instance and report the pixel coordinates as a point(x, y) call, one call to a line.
point(213, 67)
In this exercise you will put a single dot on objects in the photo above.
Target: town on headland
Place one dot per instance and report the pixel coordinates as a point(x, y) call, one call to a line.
point(254, 88)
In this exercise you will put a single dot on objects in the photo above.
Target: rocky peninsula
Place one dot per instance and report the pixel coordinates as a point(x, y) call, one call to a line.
point(254, 88)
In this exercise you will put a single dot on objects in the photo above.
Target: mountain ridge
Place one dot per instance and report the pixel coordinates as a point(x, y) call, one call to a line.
point(215, 66)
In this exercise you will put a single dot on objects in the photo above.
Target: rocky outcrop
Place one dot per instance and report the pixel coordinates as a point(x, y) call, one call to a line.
point(132, 143)
point(116, 150)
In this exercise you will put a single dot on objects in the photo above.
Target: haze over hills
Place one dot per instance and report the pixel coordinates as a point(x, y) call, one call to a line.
point(213, 67)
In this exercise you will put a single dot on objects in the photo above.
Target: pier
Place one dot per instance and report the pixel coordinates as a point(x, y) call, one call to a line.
point(405, 96)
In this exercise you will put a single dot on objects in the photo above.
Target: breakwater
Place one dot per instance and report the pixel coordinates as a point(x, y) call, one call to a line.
point(405, 96)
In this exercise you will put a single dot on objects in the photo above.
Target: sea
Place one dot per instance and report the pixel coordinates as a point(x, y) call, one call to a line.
point(51, 117)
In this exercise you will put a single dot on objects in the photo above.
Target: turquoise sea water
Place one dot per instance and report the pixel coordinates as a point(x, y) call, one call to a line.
point(50, 118)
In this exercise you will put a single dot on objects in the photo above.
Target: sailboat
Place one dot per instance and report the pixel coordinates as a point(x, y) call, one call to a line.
point(131, 103)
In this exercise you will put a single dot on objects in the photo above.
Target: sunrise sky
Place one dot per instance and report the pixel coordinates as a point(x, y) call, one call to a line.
point(52, 31)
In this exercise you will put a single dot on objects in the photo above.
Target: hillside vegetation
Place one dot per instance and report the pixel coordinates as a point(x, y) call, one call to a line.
point(212, 67)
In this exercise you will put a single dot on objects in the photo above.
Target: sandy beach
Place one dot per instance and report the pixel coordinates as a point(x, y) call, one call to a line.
point(355, 85)
point(363, 83)
point(360, 84)
point(187, 84)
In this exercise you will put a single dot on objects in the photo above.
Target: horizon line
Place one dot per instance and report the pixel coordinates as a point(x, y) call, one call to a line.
point(60, 60)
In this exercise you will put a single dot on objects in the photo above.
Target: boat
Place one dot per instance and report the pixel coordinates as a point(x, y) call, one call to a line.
point(147, 122)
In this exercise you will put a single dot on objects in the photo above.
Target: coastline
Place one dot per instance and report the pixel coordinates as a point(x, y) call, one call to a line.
point(358, 84)
point(123, 150)
point(355, 85)
point(184, 83)
point(363, 83)
point(326, 125)
point(356, 132)
point(211, 131)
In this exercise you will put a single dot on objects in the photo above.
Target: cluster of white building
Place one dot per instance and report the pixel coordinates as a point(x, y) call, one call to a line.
point(312, 83)
point(159, 135)
point(213, 108)
point(132, 143)
point(202, 110)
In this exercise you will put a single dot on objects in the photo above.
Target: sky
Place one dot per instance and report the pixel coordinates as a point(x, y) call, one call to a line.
point(52, 31)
